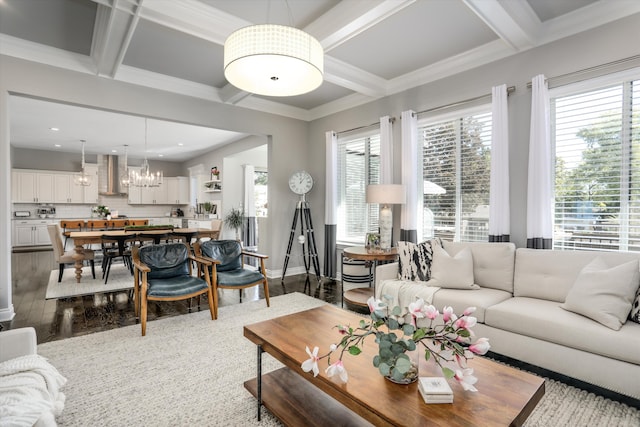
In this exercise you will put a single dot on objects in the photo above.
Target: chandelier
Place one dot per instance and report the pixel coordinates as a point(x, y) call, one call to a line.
point(273, 60)
point(83, 178)
point(124, 181)
point(144, 177)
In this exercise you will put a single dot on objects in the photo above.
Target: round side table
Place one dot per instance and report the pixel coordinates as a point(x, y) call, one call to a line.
point(359, 296)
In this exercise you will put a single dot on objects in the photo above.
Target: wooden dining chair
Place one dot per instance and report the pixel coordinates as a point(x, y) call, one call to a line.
point(117, 224)
point(63, 258)
point(69, 225)
point(97, 225)
point(138, 222)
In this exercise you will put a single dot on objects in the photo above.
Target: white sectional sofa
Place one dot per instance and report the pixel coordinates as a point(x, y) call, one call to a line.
point(518, 309)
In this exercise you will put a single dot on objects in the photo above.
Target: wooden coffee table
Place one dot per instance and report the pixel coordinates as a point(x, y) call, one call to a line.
point(506, 396)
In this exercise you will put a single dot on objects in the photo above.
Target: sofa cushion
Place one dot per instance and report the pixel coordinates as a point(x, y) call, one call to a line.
point(546, 321)
point(493, 263)
point(549, 274)
point(414, 260)
point(459, 300)
point(604, 293)
point(455, 272)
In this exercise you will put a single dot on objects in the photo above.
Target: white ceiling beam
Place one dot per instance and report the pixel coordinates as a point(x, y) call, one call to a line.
point(194, 18)
point(350, 18)
point(232, 95)
point(112, 33)
point(586, 18)
point(502, 23)
point(353, 78)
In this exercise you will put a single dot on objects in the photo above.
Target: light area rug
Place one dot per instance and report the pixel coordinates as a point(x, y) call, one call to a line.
point(190, 370)
point(120, 278)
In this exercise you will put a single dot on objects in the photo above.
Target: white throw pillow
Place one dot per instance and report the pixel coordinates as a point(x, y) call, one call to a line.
point(452, 272)
point(604, 293)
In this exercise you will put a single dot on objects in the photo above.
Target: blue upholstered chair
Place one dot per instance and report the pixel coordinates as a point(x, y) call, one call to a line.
point(164, 273)
point(227, 269)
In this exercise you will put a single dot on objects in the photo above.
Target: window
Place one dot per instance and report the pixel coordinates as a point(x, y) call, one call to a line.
point(596, 135)
point(358, 166)
point(456, 162)
point(260, 192)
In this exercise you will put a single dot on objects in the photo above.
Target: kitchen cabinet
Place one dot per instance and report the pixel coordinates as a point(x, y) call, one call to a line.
point(91, 191)
point(31, 187)
point(65, 190)
point(177, 190)
point(31, 232)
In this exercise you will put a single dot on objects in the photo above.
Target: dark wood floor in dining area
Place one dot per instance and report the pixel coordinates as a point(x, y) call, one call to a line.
point(64, 318)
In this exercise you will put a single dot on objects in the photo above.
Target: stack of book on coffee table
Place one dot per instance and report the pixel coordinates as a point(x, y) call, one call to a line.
point(435, 390)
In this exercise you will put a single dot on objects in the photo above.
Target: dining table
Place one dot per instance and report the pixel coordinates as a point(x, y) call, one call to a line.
point(83, 238)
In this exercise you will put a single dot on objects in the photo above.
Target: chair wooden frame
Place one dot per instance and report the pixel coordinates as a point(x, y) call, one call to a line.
point(69, 225)
point(140, 286)
point(197, 249)
point(138, 222)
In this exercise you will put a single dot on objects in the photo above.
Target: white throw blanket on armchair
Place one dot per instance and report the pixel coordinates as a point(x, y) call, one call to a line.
point(30, 392)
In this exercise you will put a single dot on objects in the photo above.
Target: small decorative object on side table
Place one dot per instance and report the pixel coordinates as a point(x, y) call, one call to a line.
point(372, 243)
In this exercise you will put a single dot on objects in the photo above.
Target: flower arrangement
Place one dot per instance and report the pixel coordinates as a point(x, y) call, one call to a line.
point(215, 173)
point(101, 211)
point(445, 342)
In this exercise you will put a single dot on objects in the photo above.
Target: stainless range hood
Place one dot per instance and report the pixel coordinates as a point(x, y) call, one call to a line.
point(109, 176)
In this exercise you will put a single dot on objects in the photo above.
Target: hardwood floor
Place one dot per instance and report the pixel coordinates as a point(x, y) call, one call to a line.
point(64, 318)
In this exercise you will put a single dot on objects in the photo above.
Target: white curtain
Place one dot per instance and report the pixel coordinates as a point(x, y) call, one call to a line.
point(540, 177)
point(386, 151)
point(410, 173)
point(499, 222)
point(331, 205)
point(250, 237)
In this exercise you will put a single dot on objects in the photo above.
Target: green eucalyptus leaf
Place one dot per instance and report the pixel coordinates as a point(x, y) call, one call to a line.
point(386, 353)
point(396, 311)
point(384, 369)
point(403, 365)
point(419, 334)
point(408, 329)
point(397, 375)
point(411, 345)
point(464, 333)
point(393, 324)
point(376, 360)
point(398, 348)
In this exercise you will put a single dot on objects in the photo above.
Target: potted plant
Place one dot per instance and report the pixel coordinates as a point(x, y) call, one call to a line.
point(235, 220)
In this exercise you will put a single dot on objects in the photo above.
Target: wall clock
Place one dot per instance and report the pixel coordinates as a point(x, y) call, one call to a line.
point(300, 182)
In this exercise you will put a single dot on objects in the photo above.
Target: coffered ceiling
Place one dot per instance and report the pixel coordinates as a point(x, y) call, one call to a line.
point(373, 48)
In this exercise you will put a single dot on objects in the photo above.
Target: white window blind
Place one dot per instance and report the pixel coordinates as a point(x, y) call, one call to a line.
point(358, 166)
point(456, 161)
point(596, 133)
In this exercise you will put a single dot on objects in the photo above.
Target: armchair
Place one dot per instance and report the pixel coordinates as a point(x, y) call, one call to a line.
point(164, 273)
point(226, 267)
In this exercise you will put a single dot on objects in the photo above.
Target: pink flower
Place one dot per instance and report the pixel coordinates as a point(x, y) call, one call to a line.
point(374, 304)
point(312, 363)
point(416, 309)
point(462, 362)
point(481, 346)
point(465, 322)
point(447, 312)
point(431, 312)
point(466, 379)
point(468, 311)
point(337, 368)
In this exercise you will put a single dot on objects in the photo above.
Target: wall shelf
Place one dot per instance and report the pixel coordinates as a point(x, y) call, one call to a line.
point(213, 186)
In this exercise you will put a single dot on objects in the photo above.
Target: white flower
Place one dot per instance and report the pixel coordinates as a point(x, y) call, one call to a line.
point(312, 362)
point(337, 368)
point(466, 379)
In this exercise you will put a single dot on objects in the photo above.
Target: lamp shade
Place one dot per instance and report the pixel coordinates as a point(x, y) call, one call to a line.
point(386, 194)
point(273, 60)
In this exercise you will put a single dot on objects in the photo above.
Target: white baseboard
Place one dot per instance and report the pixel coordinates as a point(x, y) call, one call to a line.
point(7, 314)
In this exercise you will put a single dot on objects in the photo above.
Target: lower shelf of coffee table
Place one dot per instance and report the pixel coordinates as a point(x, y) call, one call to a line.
point(296, 402)
point(358, 296)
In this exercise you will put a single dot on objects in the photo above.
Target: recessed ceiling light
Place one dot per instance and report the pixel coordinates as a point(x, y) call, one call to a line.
point(54, 129)
point(180, 144)
point(114, 151)
point(57, 145)
point(160, 155)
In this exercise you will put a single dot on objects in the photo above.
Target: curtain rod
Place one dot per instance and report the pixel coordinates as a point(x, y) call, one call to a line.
point(391, 119)
point(510, 90)
point(624, 61)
